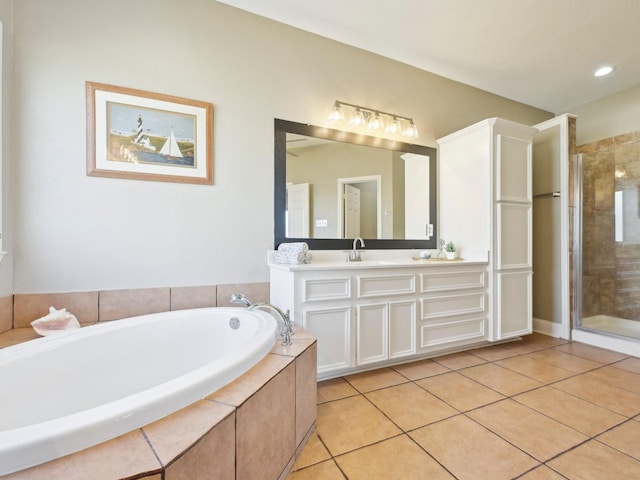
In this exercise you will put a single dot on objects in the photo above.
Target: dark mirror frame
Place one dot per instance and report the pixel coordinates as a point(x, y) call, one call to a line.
point(282, 127)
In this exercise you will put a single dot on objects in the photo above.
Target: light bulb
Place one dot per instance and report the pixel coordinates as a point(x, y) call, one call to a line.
point(336, 114)
point(375, 122)
point(411, 131)
point(393, 127)
point(357, 118)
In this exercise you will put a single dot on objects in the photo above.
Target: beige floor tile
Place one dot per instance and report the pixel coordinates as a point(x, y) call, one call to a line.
point(351, 423)
point(323, 471)
point(459, 391)
point(409, 406)
point(608, 396)
point(536, 369)
point(500, 379)
point(542, 473)
point(375, 379)
point(617, 377)
point(589, 352)
point(313, 452)
point(334, 389)
point(565, 360)
point(625, 438)
point(596, 461)
point(536, 434)
point(495, 352)
point(471, 452)
point(544, 340)
point(523, 347)
point(456, 361)
point(631, 364)
point(420, 369)
point(584, 416)
point(397, 458)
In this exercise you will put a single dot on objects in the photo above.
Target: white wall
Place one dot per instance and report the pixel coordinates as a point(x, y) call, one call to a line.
point(74, 232)
point(608, 116)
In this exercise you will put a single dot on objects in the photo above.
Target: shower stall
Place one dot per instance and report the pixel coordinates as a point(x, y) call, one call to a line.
point(606, 243)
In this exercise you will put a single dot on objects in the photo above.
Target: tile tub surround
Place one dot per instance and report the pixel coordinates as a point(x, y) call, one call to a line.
point(252, 428)
point(203, 437)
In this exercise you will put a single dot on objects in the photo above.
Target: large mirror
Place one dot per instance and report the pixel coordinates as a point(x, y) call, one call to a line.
point(332, 186)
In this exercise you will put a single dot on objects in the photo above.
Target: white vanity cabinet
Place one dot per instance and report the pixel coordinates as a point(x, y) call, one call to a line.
point(454, 307)
point(365, 317)
point(485, 185)
point(385, 315)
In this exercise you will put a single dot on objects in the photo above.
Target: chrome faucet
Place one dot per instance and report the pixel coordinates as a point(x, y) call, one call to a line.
point(354, 254)
point(240, 298)
point(287, 325)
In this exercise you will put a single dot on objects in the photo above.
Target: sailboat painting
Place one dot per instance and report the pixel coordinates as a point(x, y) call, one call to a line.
point(143, 135)
point(148, 136)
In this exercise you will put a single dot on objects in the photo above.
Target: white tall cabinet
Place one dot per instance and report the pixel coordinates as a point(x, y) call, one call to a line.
point(485, 204)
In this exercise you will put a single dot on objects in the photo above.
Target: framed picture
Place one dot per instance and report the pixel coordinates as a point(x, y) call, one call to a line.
point(148, 136)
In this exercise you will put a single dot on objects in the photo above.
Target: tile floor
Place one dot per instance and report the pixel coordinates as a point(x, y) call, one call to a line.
point(540, 408)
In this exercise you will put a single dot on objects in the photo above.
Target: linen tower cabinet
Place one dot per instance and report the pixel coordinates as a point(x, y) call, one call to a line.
point(485, 203)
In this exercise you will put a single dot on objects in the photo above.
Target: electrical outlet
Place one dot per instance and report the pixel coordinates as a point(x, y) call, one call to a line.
point(322, 223)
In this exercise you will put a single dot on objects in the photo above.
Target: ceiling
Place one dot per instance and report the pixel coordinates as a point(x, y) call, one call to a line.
point(539, 52)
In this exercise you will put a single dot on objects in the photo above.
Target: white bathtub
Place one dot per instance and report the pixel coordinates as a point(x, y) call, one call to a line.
point(63, 393)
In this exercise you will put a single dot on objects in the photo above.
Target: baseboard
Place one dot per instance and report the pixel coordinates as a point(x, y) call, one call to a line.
point(547, 328)
point(618, 344)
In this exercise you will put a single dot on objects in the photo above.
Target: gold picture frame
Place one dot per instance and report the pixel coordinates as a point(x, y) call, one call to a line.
point(142, 135)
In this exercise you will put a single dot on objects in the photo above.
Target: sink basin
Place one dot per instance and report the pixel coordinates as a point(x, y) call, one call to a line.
point(372, 262)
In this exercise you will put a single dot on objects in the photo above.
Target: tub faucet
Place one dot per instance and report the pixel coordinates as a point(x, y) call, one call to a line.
point(287, 326)
point(354, 254)
point(240, 298)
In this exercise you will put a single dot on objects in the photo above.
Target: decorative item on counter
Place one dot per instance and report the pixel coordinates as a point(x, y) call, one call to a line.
point(450, 251)
point(441, 244)
point(425, 254)
point(293, 253)
point(55, 322)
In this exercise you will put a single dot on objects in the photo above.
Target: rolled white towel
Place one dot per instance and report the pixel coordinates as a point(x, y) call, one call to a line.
point(293, 247)
point(293, 258)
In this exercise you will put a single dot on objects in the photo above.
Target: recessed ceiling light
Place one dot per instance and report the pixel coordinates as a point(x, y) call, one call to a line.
point(602, 71)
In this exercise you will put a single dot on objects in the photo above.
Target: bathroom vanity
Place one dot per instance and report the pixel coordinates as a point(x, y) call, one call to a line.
point(381, 312)
point(391, 307)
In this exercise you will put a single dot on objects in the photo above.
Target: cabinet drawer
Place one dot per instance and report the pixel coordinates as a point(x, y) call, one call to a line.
point(451, 331)
point(326, 289)
point(386, 285)
point(443, 281)
point(449, 305)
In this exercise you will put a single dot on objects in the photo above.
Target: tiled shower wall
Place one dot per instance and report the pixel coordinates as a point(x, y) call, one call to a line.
point(610, 269)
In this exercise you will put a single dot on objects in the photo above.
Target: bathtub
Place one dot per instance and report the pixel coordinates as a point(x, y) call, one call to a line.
point(63, 393)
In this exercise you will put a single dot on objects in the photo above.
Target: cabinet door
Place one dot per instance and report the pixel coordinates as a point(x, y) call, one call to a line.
point(372, 336)
point(513, 236)
point(402, 328)
point(513, 169)
point(332, 328)
point(513, 304)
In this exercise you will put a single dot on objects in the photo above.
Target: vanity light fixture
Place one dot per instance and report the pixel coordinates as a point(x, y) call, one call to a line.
point(374, 120)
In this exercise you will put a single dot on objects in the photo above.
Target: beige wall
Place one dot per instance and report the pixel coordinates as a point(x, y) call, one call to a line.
point(71, 232)
point(321, 166)
point(6, 266)
point(607, 117)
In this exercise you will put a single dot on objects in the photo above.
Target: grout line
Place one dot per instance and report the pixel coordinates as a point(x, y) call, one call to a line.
point(510, 397)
